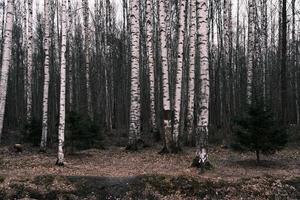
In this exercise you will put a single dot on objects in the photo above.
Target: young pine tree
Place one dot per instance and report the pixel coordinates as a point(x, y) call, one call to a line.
point(259, 132)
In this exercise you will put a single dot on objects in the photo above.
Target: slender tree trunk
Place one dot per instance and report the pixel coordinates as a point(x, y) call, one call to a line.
point(86, 17)
point(203, 107)
point(25, 53)
point(135, 104)
point(70, 39)
point(167, 113)
point(6, 60)
point(191, 84)
point(179, 74)
point(294, 61)
point(149, 15)
point(29, 63)
point(250, 51)
point(225, 73)
point(46, 76)
point(62, 102)
point(264, 47)
point(283, 65)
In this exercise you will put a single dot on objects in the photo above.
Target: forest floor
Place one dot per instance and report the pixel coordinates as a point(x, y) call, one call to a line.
point(116, 174)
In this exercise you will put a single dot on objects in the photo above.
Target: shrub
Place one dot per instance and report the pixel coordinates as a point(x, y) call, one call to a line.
point(83, 132)
point(259, 132)
point(32, 132)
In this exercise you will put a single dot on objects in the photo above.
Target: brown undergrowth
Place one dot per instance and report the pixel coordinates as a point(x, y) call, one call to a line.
point(137, 175)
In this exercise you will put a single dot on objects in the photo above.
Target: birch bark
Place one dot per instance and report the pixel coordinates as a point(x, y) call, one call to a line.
point(29, 62)
point(135, 104)
point(250, 51)
point(179, 74)
point(86, 16)
point(203, 112)
point(62, 102)
point(6, 60)
point(46, 76)
point(149, 33)
point(191, 83)
point(165, 79)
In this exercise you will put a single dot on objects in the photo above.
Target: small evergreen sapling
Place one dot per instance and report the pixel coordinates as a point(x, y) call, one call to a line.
point(259, 132)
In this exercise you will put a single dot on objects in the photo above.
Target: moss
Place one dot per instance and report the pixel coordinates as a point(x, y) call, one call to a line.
point(160, 183)
point(44, 180)
point(188, 186)
point(18, 190)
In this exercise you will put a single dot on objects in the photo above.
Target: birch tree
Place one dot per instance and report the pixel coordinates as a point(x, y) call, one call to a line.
point(264, 11)
point(62, 102)
point(167, 129)
point(25, 53)
point(70, 40)
point(86, 17)
point(191, 83)
point(149, 33)
point(29, 62)
point(6, 60)
point(135, 104)
point(201, 159)
point(46, 76)
point(250, 50)
point(179, 74)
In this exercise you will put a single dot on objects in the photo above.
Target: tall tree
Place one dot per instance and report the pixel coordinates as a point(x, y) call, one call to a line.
point(29, 62)
point(264, 27)
point(191, 84)
point(135, 104)
point(149, 15)
point(283, 64)
point(225, 72)
point(167, 115)
point(294, 61)
point(24, 50)
point(46, 76)
point(86, 18)
point(203, 107)
point(178, 92)
point(250, 50)
point(70, 47)
point(6, 60)
point(62, 101)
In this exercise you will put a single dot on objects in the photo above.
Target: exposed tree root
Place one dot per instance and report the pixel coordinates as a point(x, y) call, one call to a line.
point(200, 165)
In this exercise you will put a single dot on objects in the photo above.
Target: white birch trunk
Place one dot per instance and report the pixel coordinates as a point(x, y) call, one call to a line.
point(6, 60)
point(264, 11)
point(149, 15)
point(29, 62)
point(250, 51)
point(62, 102)
point(191, 83)
point(70, 39)
point(46, 77)
point(165, 77)
point(179, 73)
point(24, 50)
point(135, 105)
point(203, 113)
point(86, 17)
point(24, 27)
